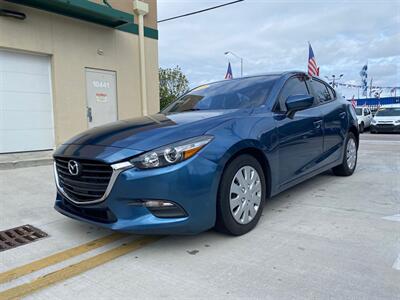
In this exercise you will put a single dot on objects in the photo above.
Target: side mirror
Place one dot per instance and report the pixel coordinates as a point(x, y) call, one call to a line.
point(298, 102)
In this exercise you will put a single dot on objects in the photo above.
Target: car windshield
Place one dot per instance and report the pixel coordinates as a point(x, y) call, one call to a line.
point(358, 111)
point(388, 112)
point(230, 94)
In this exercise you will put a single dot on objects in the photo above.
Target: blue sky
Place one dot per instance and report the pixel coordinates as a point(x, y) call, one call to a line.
point(273, 35)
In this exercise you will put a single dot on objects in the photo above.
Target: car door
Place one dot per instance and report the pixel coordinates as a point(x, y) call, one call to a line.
point(334, 120)
point(300, 139)
point(364, 116)
point(368, 117)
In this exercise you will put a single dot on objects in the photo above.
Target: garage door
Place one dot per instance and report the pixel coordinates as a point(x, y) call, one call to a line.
point(26, 113)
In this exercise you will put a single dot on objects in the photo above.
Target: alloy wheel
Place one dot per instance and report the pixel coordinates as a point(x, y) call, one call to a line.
point(351, 153)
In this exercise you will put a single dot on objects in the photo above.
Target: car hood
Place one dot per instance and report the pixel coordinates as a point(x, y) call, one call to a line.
point(146, 133)
point(387, 119)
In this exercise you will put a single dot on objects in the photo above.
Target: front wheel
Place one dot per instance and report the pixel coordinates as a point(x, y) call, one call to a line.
point(241, 196)
point(349, 163)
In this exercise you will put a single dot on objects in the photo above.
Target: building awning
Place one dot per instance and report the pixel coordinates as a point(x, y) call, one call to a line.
point(84, 10)
point(91, 12)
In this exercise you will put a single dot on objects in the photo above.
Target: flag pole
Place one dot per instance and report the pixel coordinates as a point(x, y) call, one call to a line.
point(370, 87)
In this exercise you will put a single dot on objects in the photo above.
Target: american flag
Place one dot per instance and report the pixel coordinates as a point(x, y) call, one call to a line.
point(228, 74)
point(313, 69)
point(353, 102)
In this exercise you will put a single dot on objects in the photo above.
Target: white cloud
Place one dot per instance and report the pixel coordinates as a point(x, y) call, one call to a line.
point(273, 35)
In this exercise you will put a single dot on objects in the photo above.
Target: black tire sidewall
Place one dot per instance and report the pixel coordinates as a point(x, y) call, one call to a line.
point(225, 219)
point(362, 127)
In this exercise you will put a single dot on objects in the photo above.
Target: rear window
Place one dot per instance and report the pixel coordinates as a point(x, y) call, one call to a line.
point(230, 94)
point(388, 112)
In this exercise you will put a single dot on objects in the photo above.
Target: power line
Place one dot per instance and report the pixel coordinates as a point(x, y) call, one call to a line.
point(199, 11)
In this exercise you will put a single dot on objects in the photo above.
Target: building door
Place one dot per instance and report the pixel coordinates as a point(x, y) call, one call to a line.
point(26, 105)
point(101, 95)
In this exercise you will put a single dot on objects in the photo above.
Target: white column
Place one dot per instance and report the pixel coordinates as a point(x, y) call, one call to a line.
point(141, 9)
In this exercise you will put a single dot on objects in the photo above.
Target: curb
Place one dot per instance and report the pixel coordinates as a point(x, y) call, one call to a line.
point(25, 163)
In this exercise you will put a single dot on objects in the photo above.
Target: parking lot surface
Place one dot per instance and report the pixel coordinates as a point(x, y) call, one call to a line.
point(330, 237)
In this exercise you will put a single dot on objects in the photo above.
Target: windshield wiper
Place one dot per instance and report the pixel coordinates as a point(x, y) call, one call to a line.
point(190, 109)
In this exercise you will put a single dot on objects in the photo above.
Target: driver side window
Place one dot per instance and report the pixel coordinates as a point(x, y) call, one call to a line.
point(294, 86)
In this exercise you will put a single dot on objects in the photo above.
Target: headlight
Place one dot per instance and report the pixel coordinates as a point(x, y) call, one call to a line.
point(397, 121)
point(373, 121)
point(171, 154)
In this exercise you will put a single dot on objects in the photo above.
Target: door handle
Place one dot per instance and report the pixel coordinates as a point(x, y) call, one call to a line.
point(342, 115)
point(317, 124)
point(89, 113)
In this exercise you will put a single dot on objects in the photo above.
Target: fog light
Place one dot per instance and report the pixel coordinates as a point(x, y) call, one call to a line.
point(164, 209)
point(157, 203)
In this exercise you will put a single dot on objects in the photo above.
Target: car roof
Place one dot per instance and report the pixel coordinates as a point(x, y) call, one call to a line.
point(278, 74)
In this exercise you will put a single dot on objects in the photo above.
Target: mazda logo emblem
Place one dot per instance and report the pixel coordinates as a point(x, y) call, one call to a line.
point(74, 167)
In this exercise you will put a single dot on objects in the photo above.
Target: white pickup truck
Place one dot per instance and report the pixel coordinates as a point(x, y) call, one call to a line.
point(364, 117)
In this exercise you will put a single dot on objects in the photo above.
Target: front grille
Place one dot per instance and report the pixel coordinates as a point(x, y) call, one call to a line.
point(102, 215)
point(91, 182)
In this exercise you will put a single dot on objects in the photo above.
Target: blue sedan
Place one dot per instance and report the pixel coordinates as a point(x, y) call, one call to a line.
point(210, 159)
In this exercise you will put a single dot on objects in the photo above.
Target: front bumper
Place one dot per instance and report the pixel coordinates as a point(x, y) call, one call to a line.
point(192, 184)
point(385, 128)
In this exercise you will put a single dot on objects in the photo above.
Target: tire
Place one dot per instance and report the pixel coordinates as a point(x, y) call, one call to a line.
point(362, 127)
point(237, 213)
point(347, 167)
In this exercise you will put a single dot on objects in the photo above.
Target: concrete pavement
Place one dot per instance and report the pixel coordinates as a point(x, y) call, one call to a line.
point(330, 237)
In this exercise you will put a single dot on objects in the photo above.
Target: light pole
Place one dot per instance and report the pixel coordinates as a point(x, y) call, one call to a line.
point(241, 61)
point(333, 79)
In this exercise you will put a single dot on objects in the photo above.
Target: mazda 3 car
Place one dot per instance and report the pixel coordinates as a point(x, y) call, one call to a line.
point(210, 159)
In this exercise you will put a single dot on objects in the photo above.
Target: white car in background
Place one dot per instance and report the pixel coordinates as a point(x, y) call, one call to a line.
point(387, 119)
point(364, 117)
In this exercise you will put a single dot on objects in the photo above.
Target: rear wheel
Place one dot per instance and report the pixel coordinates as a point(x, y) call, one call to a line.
point(349, 163)
point(241, 196)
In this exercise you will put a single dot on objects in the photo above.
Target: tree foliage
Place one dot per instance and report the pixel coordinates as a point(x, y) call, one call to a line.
point(173, 83)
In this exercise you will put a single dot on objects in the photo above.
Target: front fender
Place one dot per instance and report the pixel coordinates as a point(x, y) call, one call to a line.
point(236, 135)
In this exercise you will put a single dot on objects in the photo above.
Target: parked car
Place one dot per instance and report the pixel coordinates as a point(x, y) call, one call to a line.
point(209, 159)
point(364, 117)
point(387, 119)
